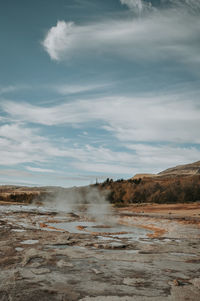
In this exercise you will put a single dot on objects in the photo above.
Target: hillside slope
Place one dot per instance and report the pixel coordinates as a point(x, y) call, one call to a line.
point(182, 170)
point(174, 185)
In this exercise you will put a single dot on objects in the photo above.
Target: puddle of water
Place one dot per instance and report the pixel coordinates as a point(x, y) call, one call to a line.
point(131, 233)
point(79, 248)
point(136, 235)
point(18, 249)
point(166, 240)
point(72, 226)
point(18, 230)
point(105, 238)
point(29, 242)
point(108, 230)
point(57, 246)
point(16, 208)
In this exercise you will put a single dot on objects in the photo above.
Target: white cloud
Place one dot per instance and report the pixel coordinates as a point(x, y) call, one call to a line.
point(30, 147)
point(160, 118)
point(74, 89)
point(16, 132)
point(38, 169)
point(109, 169)
point(165, 34)
point(143, 158)
point(7, 89)
point(137, 5)
point(191, 5)
point(59, 38)
point(14, 173)
point(159, 157)
point(12, 88)
point(21, 144)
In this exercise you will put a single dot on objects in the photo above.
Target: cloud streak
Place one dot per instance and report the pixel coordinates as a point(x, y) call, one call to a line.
point(13, 88)
point(21, 144)
point(161, 118)
point(137, 6)
point(39, 170)
point(65, 89)
point(160, 35)
point(136, 157)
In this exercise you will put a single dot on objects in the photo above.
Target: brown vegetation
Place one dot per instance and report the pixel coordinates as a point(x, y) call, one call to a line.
point(180, 184)
point(153, 190)
point(14, 194)
point(182, 170)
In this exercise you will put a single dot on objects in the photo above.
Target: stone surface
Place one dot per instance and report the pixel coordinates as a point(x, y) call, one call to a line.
point(40, 271)
point(83, 266)
point(62, 264)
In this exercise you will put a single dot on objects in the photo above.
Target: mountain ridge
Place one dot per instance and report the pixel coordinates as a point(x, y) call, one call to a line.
point(184, 169)
point(189, 169)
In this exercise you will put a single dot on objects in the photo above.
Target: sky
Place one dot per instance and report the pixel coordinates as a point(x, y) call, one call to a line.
point(91, 89)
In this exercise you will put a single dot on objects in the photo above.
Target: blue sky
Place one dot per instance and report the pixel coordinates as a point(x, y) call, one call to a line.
point(95, 89)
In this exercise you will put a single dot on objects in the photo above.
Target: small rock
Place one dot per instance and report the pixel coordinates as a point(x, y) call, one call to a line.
point(29, 242)
point(116, 245)
point(96, 271)
point(98, 246)
point(35, 265)
point(62, 264)
point(196, 282)
point(40, 271)
point(17, 276)
point(34, 253)
point(18, 249)
point(176, 282)
point(133, 281)
point(26, 274)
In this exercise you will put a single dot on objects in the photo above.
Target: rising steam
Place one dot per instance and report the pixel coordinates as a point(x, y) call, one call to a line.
point(83, 201)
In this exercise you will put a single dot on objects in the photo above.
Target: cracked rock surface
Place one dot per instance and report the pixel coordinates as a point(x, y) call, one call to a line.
point(39, 261)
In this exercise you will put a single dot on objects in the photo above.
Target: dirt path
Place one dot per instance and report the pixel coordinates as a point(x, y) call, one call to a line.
point(182, 210)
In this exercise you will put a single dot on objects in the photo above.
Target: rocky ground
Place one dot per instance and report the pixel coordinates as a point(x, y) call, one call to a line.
point(49, 255)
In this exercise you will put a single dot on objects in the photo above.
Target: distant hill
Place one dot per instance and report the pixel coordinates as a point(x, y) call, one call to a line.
point(182, 170)
point(174, 185)
point(143, 175)
point(179, 170)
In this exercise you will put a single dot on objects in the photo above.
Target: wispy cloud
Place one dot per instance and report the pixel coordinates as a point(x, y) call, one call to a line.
point(12, 88)
point(143, 158)
point(104, 168)
point(160, 35)
point(21, 145)
point(151, 118)
point(189, 5)
point(137, 6)
point(158, 157)
point(65, 89)
point(14, 173)
point(40, 170)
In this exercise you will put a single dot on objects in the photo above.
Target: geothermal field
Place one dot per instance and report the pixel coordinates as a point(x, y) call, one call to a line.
point(94, 252)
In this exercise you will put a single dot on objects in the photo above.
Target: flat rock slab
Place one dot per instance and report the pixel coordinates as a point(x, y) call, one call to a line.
point(55, 265)
point(40, 271)
point(63, 264)
point(125, 298)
